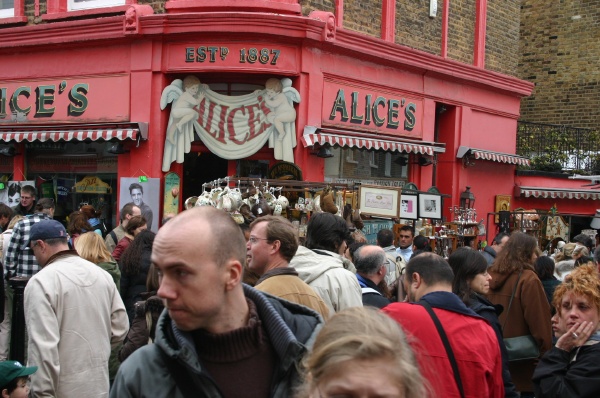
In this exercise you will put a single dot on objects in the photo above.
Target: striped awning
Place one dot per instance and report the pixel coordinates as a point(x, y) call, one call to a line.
point(314, 136)
point(69, 133)
point(556, 193)
point(493, 156)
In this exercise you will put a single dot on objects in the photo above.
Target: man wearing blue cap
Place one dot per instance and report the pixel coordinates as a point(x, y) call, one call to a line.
point(74, 314)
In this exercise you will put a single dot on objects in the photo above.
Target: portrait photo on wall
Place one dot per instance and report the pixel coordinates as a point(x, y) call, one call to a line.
point(145, 195)
point(409, 206)
point(430, 206)
point(11, 194)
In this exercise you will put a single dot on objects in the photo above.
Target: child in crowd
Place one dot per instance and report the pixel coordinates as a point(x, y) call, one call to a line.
point(14, 378)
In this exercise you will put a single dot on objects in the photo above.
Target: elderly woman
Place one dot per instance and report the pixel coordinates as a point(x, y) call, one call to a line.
point(361, 350)
point(529, 312)
point(571, 368)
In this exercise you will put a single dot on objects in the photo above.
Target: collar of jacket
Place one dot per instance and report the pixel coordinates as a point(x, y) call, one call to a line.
point(366, 282)
point(448, 301)
point(179, 344)
point(61, 254)
point(489, 250)
point(276, 272)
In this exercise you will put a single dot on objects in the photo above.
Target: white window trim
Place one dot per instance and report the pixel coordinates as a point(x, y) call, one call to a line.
point(7, 12)
point(388, 165)
point(350, 157)
point(91, 4)
point(372, 161)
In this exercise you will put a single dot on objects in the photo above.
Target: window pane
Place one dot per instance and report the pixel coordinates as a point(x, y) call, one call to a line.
point(354, 164)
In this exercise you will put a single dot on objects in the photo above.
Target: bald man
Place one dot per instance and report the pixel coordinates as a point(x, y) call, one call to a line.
point(215, 326)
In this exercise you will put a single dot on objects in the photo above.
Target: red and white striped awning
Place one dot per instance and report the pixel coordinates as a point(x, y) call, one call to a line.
point(493, 156)
point(310, 138)
point(556, 193)
point(70, 135)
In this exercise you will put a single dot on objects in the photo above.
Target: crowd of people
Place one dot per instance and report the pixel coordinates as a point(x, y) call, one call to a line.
point(205, 307)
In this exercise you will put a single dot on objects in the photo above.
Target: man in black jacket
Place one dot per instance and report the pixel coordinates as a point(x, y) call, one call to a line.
point(217, 337)
point(370, 262)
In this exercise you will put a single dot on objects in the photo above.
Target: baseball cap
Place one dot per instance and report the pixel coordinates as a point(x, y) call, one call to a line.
point(46, 229)
point(10, 370)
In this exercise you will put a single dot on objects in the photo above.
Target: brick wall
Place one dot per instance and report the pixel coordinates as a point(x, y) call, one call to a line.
point(415, 29)
point(560, 50)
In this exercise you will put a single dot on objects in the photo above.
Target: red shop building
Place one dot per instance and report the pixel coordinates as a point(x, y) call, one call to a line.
point(96, 97)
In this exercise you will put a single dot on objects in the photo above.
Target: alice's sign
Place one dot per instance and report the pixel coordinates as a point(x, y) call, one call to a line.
point(232, 127)
point(69, 99)
point(359, 107)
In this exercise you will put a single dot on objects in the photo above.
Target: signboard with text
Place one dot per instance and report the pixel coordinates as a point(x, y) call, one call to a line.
point(365, 108)
point(69, 99)
point(242, 56)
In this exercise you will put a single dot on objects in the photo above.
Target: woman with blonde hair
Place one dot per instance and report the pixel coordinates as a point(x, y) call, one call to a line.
point(516, 287)
point(91, 246)
point(362, 349)
point(571, 368)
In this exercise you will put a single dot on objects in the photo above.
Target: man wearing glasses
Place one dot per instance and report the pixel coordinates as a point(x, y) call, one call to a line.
point(27, 204)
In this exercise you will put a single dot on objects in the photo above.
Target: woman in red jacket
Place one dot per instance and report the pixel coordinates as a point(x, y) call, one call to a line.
point(135, 225)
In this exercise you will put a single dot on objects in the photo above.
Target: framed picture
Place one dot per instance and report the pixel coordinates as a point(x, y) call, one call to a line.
point(145, 195)
point(379, 201)
point(502, 204)
point(430, 206)
point(409, 205)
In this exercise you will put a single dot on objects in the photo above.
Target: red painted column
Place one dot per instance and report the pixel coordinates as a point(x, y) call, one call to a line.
point(339, 13)
point(388, 20)
point(445, 14)
point(480, 28)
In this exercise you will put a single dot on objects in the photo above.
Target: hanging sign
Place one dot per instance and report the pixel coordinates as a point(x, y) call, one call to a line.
point(92, 185)
point(232, 127)
point(172, 194)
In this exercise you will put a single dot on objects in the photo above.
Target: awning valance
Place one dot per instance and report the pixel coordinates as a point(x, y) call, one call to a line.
point(121, 132)
point(491, 155)
point(555, 193)
point(313, 135)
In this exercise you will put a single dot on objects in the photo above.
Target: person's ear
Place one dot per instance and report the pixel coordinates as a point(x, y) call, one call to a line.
point(5, 393)
point(415, 279)
point(234, 274)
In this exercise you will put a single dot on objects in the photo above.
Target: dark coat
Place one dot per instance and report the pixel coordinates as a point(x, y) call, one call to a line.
point(575, 374)
point(370, 297)
point(528, 315)
point(139, 333)
point(132, 286)
point(486, 310)
point(292, 329)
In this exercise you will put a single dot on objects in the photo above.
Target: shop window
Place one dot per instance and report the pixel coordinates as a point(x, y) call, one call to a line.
point(57, 167)
point(367, 166)
point(12, 11)
point(87, 4)
point(374, 156)
point(7, 8)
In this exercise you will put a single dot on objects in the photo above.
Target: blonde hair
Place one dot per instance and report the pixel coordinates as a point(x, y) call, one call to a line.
point(583, 281)
point(363, 333)
point(91, 246)
point(566, 253)
point(14, 221)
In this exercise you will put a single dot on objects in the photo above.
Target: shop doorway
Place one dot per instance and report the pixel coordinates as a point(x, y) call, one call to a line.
point(199, 168)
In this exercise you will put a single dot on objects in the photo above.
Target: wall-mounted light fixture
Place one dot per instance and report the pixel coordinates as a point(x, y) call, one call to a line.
point(322, 151)
point(422, 160)
point(7, 150)
point(467, 199)
point(116, 149)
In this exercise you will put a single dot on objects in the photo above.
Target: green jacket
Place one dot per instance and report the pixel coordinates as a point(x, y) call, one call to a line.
point(113, 269)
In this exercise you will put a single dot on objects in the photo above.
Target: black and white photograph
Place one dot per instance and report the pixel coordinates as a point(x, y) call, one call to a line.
point(145, 195)
point(430, 206)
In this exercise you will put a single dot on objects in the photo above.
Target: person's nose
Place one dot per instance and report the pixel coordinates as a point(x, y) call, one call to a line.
point(165, 290)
